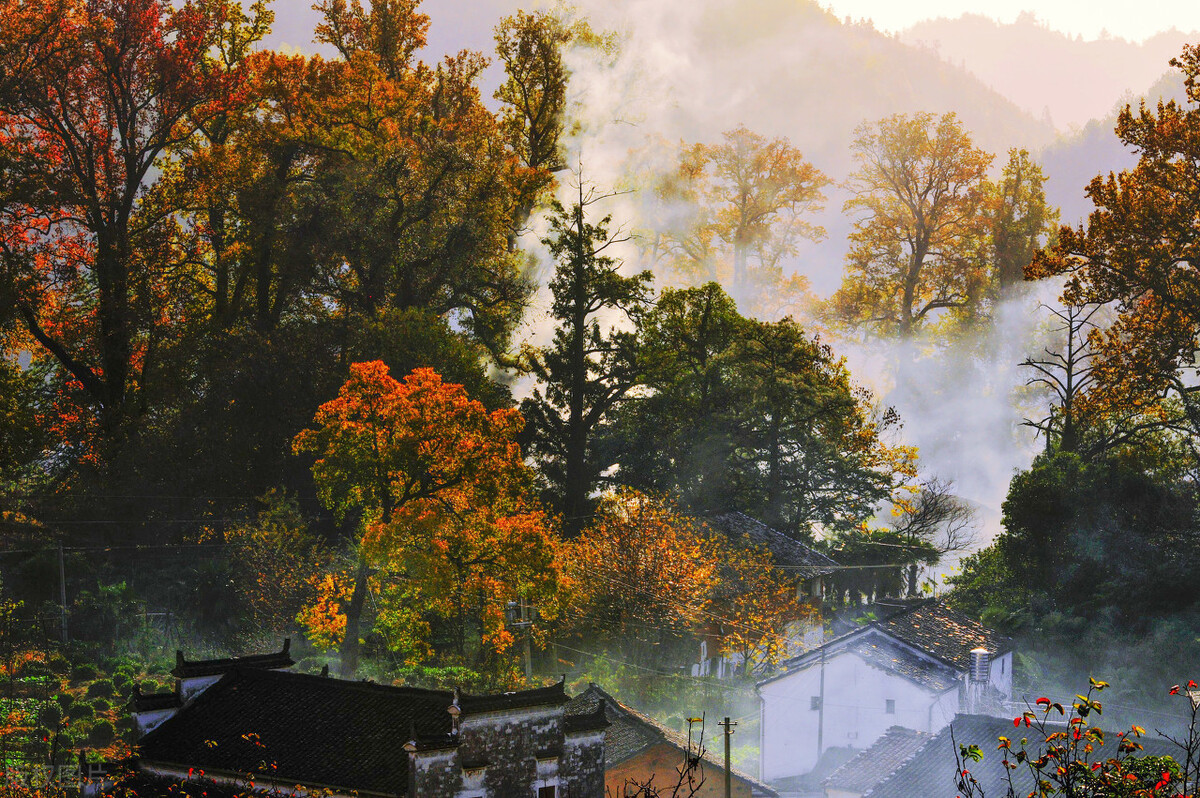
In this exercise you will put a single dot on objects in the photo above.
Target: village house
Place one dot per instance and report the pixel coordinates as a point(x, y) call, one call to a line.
point(639, 750)
point(249, 720)
point(808, 569)
point(916, 668)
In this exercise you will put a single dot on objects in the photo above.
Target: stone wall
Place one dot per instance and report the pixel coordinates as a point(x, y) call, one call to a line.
point(512, 753)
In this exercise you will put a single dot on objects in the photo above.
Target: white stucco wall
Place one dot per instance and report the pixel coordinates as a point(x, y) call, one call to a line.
point(855, 715)
point(1000, 676)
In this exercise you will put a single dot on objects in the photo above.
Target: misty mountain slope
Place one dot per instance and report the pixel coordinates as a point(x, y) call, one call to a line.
point(790, 68)
point(1043, 69)
point(690, 70)
point(1073, 161)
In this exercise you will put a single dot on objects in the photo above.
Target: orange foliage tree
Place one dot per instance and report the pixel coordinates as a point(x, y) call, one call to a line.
point(92, 94)
point(758, 604)
point(1138, 253)
point(642, 574)
point(426, 165)
point(448, 528)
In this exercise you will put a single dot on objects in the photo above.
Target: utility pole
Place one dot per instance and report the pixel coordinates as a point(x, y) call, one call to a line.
point(527, 616)
point(727, 725)
point(821, 709)
point(520, 617)
point(62, 591)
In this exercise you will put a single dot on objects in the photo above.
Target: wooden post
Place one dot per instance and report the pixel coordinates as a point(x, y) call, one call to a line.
point(728, 725)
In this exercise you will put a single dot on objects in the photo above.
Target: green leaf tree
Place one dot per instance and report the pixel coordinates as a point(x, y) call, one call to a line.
point(592, 364)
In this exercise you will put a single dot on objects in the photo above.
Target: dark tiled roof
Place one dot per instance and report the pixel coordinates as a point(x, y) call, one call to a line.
point(874, 764)
point(149, 702)
point(931, 627)
point(623, 739)
point(553, 695)
point(302, 729)
point(930, 772)
point(882, 653)
point(215, 667)
point(879, 649)
point(787, 553)
point(946, 634)
point(810, 783)
point(630, 732)
point(583, 721)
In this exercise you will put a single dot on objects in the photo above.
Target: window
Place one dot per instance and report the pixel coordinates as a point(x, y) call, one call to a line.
point(815, 703)
point(1001, 667)
point(547, 792)
point(889, 706)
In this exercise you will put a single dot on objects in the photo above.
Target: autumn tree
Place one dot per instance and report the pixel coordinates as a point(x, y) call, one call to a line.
point(439, 490)
point(278, 562)
point(758, 605)
point(592, 363)
point(643, 573)
point(746, 203)
point(207, 183)
point(534, 96)
point(918, 246)
point(418, 209)
point(1135, 253)
point(91, 96)
point(1020, 219)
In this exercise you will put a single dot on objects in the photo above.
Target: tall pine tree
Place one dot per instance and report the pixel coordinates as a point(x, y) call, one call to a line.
point(592, 363)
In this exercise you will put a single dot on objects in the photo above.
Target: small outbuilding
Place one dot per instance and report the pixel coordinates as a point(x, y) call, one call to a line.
point(638, 749)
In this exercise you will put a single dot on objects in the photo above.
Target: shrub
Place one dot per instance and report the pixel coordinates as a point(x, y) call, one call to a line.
point(83, 673)
point(50, 715)
point(101, 734)
point(102, 688)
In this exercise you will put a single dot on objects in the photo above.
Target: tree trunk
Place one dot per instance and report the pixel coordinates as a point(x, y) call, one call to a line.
point(576, 484)
point(350, 643)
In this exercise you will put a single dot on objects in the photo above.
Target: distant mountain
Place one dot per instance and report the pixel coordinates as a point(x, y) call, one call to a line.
point(789, 67)
point(1043, 70)
point(1071, 162)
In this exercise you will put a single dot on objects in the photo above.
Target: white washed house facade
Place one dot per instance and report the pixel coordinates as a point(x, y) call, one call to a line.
point(909, 670)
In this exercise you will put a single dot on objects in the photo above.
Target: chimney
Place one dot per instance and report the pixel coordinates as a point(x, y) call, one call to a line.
point(455, 711)
point(981, 665)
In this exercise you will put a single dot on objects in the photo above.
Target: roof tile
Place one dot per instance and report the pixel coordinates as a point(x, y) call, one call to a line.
point(875, 763)
point(787, 552)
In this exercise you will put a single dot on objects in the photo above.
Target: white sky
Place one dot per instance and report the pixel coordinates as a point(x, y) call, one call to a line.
point(1129, 19)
